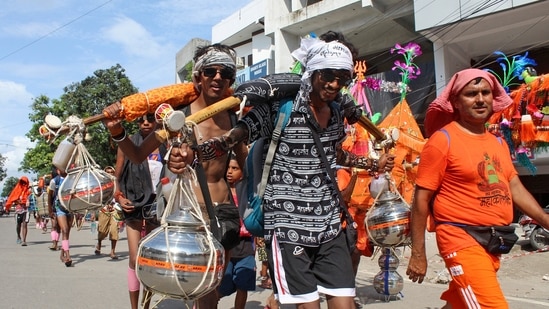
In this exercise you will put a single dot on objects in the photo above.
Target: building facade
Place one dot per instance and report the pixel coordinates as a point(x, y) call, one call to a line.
point(453, 35)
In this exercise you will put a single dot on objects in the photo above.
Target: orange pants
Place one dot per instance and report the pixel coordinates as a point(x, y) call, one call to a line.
point(474, 280)
point(363, 243)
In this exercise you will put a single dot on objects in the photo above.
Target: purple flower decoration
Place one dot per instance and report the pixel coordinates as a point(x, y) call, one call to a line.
point(505, 123)
point(372, 83)
point(408, 69)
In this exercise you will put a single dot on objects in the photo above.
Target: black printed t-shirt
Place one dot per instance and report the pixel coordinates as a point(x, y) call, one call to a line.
point(301, 202)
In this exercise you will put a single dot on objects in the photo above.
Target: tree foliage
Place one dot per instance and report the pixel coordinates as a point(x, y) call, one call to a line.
point(3, 170)
point(9, 184)
point(189, 70)
point(82, 99)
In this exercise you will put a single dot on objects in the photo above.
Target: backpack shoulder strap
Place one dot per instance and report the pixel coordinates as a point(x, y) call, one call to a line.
point(284, 111)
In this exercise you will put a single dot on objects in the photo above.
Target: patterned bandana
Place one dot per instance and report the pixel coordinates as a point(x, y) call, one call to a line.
point(213, 57)
point(315, 54)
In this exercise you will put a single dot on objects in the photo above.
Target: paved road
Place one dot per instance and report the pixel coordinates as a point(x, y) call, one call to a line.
point(34, 277)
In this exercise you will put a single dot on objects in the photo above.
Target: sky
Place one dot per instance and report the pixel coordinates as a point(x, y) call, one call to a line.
point(46, 45)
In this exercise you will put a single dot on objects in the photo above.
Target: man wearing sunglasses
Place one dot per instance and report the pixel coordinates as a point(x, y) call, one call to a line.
point(214, 71)
point(308, 253)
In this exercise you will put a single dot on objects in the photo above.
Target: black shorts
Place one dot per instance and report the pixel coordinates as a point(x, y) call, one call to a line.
point(300, 273)
point(22, 217)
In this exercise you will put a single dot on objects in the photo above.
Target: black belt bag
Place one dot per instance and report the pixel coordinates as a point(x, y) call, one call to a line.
point(148, 211)
point(495, 239)
point(226, 225)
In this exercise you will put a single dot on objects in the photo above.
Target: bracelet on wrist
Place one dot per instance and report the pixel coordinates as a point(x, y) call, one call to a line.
point(120, 137)
point(118, 195)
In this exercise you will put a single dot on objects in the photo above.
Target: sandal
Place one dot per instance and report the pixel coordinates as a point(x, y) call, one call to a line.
point(97, 251)
point(65, 258)
point(114, 257)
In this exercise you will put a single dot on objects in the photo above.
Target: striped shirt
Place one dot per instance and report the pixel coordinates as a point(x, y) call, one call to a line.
point(301, 202)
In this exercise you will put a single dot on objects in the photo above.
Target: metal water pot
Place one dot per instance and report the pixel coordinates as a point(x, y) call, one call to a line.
point(180, 260)
point(86, 188)
point(388, 222)
point(388, 282)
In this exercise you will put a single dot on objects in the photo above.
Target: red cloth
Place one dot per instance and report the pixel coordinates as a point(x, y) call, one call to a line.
point(19, 193)
point(440, 112)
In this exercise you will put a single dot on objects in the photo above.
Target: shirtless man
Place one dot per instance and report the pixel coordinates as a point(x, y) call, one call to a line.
point(214, 72)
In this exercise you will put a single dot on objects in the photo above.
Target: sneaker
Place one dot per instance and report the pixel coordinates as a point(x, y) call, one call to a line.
point(18, 241)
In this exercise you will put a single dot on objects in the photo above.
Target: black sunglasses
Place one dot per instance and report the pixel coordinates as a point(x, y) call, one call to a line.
point(329, 75)
point(149, 117)
point(225, 73)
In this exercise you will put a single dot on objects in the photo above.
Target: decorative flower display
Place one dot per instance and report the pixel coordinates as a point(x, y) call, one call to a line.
point(512, 69)
point(383, 85)
point(408, 69)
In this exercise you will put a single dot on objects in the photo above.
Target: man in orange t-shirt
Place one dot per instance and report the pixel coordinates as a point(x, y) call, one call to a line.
point(476, 184)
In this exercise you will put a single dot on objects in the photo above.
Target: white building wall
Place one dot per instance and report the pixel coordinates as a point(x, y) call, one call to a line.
point(243, 51)
point(433, 13)
point(253, 12)
point(262, 48)
point(282, 14)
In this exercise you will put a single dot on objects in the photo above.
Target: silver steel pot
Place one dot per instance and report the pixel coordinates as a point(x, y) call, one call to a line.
point(180, 260)
point(86, 188)
point(388, 260)
point(388, 282)
point(388, 221)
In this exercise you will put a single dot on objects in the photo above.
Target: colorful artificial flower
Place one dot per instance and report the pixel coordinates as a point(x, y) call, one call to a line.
point(408, 69)
point(512, 69)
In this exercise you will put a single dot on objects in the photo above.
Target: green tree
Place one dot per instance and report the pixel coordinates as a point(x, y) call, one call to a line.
point(82, 99)
point(189, 69)
point(2, 168)
point(9, 184)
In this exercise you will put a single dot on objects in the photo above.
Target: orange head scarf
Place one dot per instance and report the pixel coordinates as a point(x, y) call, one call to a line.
point(19, 193)
point(440, 112)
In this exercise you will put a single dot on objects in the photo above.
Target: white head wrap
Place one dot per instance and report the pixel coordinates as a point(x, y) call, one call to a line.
point(315, 54)
point(214, 57)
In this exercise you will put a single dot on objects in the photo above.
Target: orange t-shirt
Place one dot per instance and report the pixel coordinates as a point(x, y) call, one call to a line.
point(472, 173)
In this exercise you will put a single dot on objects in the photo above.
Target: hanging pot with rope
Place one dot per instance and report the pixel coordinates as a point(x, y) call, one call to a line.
point(388, 220)
point(181, 258)
point(86, 186)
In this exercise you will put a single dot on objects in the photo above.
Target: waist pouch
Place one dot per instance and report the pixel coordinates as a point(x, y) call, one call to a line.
point(146, 212)
point(495, 239)
point(225, 226)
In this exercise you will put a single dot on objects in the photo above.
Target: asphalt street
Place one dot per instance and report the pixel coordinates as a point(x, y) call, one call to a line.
point(34, 277)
